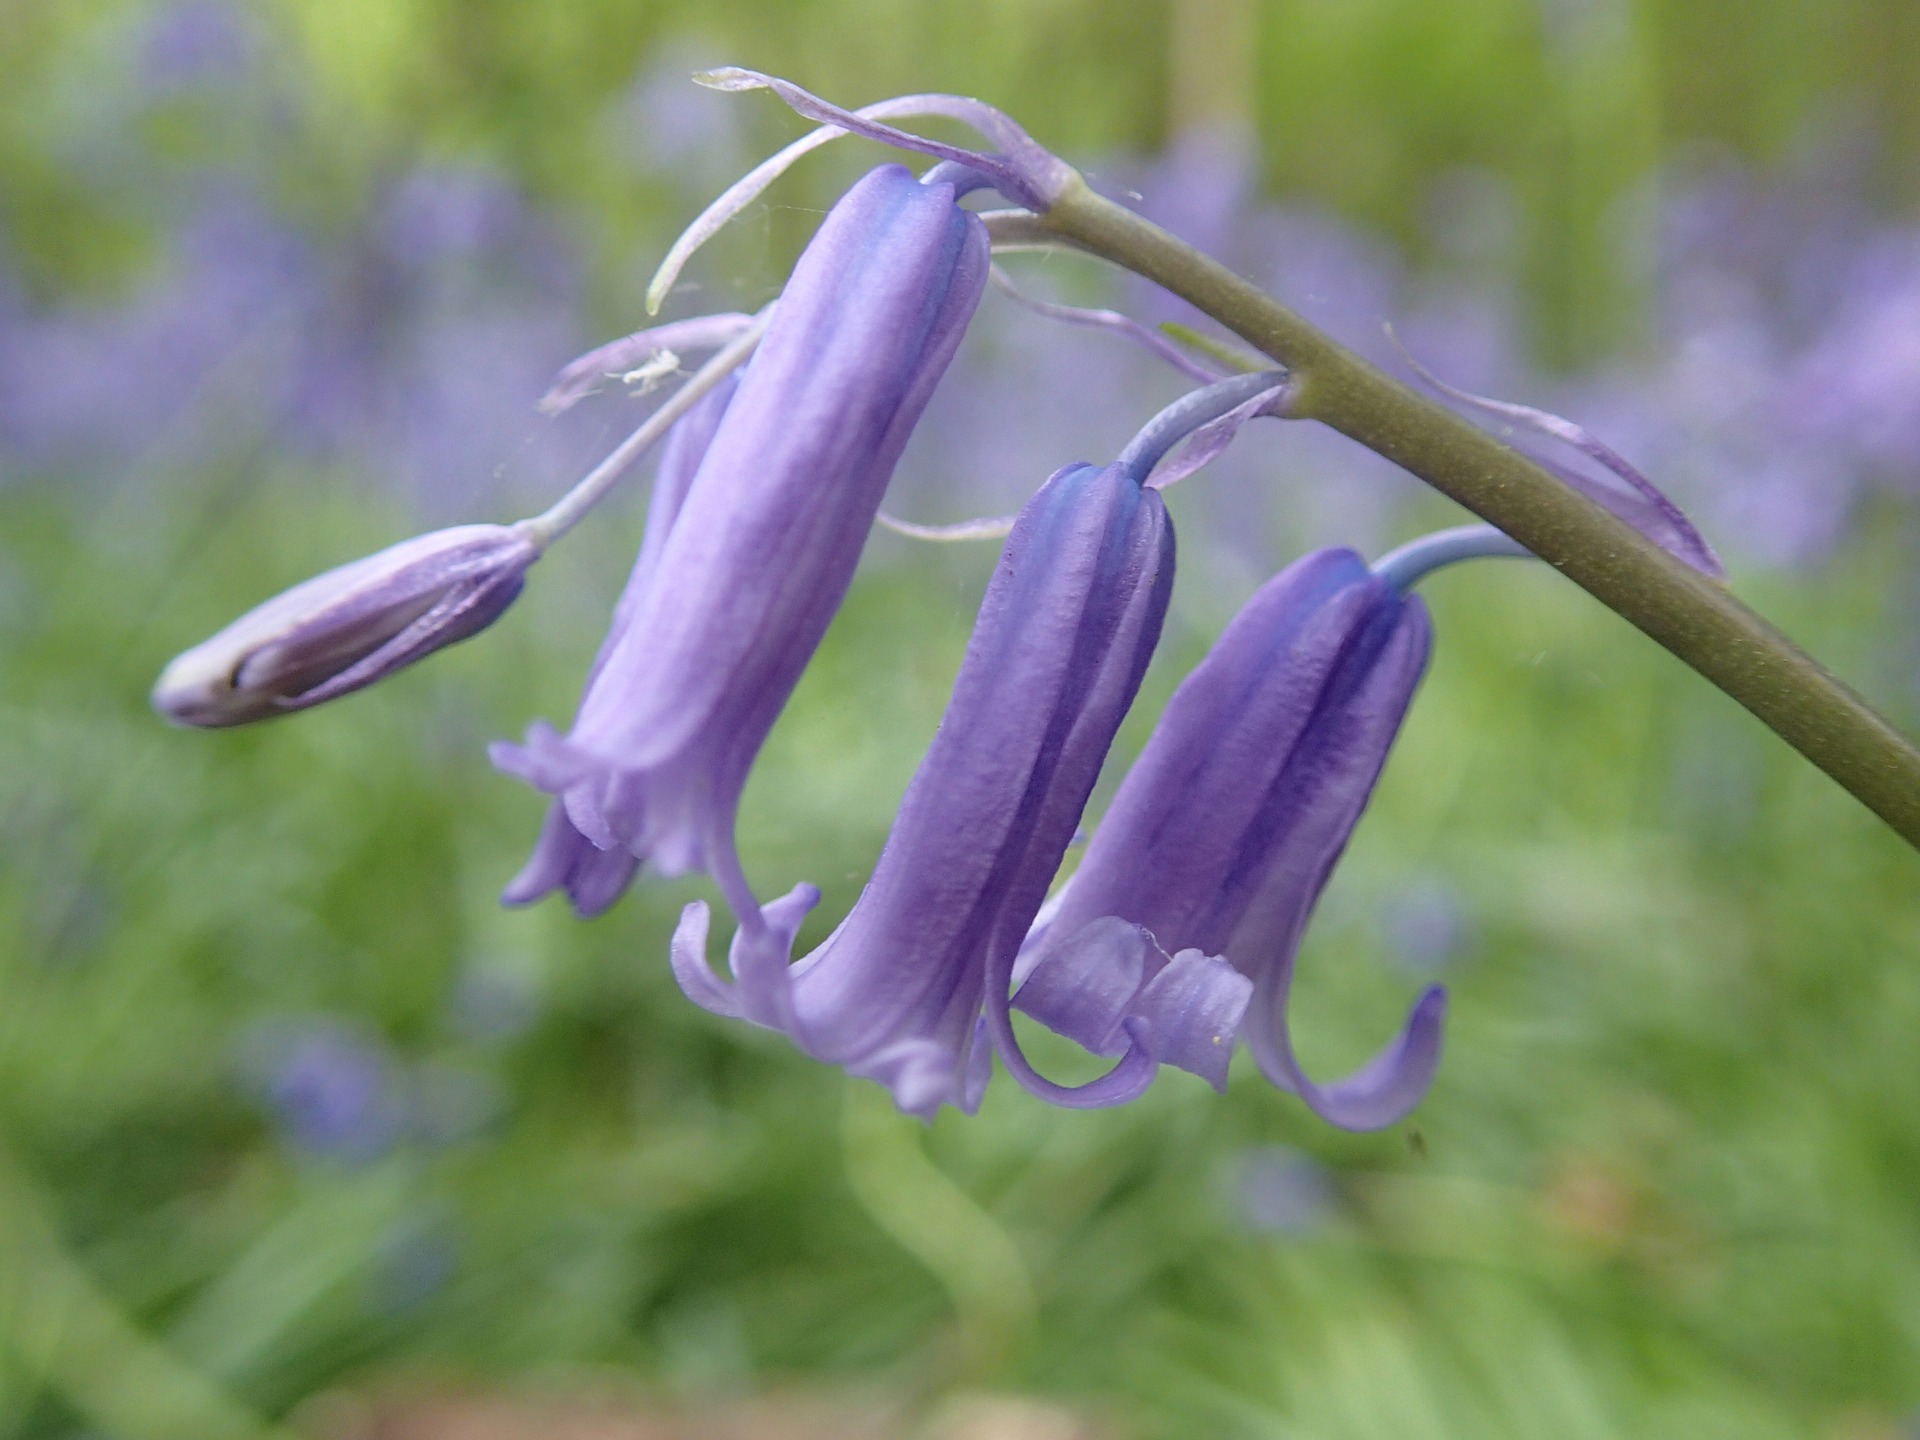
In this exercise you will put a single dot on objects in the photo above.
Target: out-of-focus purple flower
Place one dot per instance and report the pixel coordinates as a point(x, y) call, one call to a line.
point(1426, 925)
point(761, 551)
point(216, 322)
point(443, 211)
point(1781, 393)
point(412, 353)
point(343, 630)
point(336, 1090)
point(896, 993)
point(1199, 189)
point(1858, 385)
point(663, 124)
point(1226, 829)
point(1278, 1190)
point(196, 44)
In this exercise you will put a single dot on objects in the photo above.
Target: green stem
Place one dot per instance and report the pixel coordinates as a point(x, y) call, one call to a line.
point(1698, 619)
point(64, 1331)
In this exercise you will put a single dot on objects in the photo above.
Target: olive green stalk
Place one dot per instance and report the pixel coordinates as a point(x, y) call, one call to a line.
point(1697, 618)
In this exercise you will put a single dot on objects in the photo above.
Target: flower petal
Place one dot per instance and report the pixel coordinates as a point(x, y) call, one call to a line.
point(1190, 1013)
point(349, 627)
point(1063, 637)
point(1383, 1091)
point(749, 553)
point(1084, 986)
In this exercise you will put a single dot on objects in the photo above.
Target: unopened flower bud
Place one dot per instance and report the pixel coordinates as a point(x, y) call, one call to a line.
point(349, 627)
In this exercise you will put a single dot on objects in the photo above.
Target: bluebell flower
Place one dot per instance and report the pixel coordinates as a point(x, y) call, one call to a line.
point(335, 1089)
point(761, 549)
point(198, 44)
point(896, 992)
point(343, 630)
point(564, 857)
point(1226, 828)
point(1280, 1191)
point(912, 988)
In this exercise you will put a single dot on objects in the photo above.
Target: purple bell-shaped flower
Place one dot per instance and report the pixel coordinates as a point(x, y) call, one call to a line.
point(1224, 832)
point(896, 992)
point(729, 604)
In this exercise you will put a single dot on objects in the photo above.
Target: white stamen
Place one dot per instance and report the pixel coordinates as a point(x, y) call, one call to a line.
point(643, 379)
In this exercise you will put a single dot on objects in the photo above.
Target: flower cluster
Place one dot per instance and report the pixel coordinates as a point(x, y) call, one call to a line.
point(1176, 936)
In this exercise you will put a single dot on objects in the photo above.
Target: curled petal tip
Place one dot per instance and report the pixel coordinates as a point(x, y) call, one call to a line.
point(688, 957)
point(1192, 1012)
point(1391, 1085)
point(564, 858)
point(547, 760)
point(1223, 832)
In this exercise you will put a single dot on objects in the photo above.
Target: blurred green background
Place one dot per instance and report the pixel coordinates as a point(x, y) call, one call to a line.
point(292, 1111)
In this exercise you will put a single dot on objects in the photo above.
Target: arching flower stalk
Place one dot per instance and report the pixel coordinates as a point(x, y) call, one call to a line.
point(1179, 932)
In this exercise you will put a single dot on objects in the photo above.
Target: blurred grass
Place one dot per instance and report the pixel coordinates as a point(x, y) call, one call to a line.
point(1664, 1187)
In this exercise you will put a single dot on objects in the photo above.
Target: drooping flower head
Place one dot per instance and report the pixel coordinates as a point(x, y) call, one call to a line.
point(717, 627)
point(912, 987)
point(1068, 623)
point(343, 630)
point(1225, 830)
